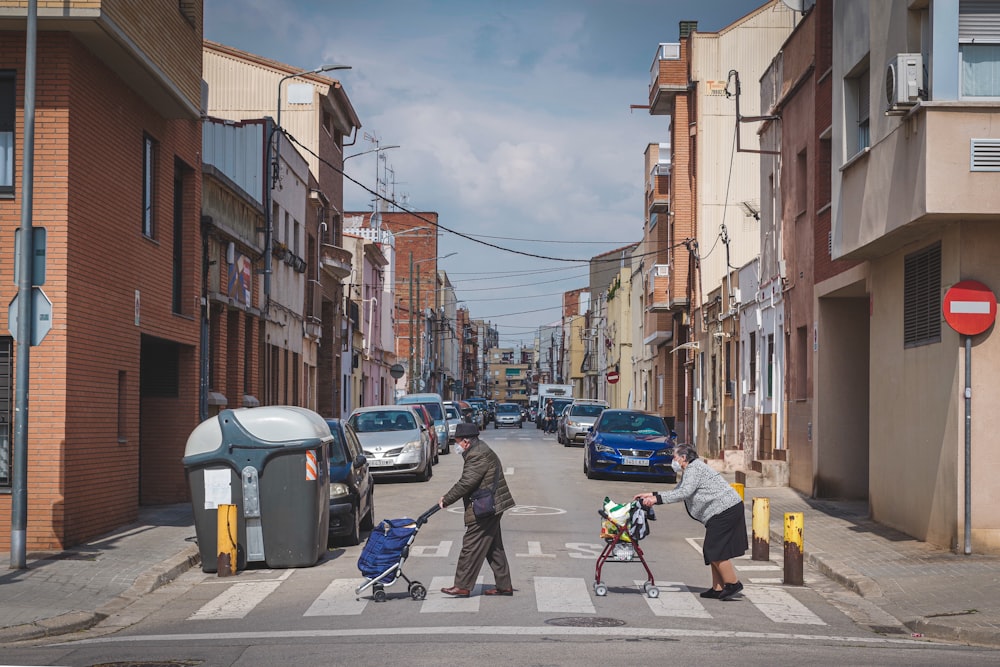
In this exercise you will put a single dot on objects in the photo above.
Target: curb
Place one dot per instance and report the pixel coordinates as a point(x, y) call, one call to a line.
point(978, 637)
point(158, 575)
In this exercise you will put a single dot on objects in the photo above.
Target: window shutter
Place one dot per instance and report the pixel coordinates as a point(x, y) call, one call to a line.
point(979, 20)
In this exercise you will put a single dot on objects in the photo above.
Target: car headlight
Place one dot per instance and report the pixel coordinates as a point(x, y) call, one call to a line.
point(604, 449)
point(339, 489)
point(415, 446)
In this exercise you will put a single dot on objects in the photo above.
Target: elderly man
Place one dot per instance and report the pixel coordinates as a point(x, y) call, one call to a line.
point(483, 541)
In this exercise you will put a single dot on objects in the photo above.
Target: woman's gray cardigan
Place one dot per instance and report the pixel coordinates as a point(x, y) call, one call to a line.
point(704, 491)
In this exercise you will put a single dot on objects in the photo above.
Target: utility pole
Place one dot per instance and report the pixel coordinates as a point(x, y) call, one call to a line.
point(412, 385)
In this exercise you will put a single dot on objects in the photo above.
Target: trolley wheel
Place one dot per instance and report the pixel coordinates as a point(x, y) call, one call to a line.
point(653, 592)
point(600, 589)
point(417, 591)
point(378, 593)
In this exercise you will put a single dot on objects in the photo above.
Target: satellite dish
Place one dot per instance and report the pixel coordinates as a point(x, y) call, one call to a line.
point(801, 6)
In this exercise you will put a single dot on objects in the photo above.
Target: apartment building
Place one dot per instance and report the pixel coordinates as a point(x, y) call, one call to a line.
point(113, 385)
point(509, 374)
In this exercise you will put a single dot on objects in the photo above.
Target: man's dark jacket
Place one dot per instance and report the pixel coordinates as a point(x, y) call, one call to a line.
point(481, 464)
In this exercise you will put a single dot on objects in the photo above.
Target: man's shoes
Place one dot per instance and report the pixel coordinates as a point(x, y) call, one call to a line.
point(729, 591)
point(711, 593)
point(456, 591)
point(499, 591)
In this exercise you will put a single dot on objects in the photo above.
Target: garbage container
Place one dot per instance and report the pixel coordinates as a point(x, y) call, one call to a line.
point(271, 462)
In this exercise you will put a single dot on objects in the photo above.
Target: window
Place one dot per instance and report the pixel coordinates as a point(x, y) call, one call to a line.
point(770, 365)
point(801, 363)
point(8, 111)
point(149, 151)
point(752, 358)
point(922, 297)
point(979, 48)
point(801, 181)
point(856, 104)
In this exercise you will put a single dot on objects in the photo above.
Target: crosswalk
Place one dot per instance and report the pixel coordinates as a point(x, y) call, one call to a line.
point(550, 595)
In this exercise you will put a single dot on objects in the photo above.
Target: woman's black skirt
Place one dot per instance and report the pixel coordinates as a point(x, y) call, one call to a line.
point(725, 535)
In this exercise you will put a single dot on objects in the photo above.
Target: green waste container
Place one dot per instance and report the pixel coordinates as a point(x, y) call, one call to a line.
point(272, 463)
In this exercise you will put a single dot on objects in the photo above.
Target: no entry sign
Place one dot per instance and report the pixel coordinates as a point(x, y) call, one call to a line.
point(612, 377)
point(970, 307)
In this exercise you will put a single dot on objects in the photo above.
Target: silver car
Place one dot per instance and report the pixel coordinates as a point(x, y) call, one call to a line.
point(395, 441)
point(578, 419)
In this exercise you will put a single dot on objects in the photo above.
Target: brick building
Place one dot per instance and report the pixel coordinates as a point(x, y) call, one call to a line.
point(117, 186)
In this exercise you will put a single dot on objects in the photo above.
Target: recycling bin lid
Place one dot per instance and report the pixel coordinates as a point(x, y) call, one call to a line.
point(271, 423)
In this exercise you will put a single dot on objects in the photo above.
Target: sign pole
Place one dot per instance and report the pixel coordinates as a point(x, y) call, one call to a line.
point(968, 445)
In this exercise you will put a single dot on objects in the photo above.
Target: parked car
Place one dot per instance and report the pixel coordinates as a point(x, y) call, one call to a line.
point(425, 415)
point(629, 443)
point(561, 422)
point(454, 416)
point(508, 414)
point(435, 406)
point(394, 440)
point(483, 411)
point(352, 488)
point(577, 420)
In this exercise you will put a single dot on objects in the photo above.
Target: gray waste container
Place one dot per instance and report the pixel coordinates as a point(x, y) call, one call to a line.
point(272, 463)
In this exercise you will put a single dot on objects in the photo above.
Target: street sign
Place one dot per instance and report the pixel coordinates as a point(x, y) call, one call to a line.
point(41, 310)
point(970, 307)
point(612, 377)
point(397, 371)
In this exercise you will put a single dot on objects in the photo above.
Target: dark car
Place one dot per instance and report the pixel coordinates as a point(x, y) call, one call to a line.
point(352, 489)
point(629, 443)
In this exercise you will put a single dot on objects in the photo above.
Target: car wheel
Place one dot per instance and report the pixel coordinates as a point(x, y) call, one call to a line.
point(368, 522)
point(520, 425)
point(353, 538)
point(590, 473)
point(495, 425)
point(436, 456)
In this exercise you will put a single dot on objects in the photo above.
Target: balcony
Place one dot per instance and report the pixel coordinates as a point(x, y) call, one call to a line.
point(936, 166)
point(336, 261)
point(658, 288)
point(668, 78)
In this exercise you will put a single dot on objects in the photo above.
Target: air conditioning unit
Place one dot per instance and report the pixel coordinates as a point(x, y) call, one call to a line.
point(903, 77)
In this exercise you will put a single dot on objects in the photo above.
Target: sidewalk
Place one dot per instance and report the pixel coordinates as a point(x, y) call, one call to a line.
point(933, 592)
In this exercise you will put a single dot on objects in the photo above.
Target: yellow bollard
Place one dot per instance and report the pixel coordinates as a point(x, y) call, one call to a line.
point(739, 488)
point(793, 548)
point(226, 541)
point(761, 545)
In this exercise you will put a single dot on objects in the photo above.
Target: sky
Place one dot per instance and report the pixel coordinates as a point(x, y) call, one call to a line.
point(512, 121)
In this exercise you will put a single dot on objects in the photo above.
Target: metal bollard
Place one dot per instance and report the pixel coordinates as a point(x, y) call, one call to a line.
point(226, 541)
point(761, 524)
point(739, 488)
point(793, 548)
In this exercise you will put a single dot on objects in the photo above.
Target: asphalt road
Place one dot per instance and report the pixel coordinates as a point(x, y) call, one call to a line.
point(312, 616)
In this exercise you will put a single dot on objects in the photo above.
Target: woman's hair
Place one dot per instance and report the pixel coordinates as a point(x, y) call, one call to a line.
point(687, 451)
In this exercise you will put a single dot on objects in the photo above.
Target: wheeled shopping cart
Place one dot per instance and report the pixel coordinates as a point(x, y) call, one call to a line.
point(381, 561)
point(622, 527)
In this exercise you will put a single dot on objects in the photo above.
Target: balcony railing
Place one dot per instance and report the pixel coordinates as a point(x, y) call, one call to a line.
point(336, 261)
point(658, 285)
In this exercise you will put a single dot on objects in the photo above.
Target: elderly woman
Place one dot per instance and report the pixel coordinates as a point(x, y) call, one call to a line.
point(711, 500)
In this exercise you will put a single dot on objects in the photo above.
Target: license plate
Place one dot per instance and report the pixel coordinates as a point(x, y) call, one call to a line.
point(378, 463)
point(635, 462)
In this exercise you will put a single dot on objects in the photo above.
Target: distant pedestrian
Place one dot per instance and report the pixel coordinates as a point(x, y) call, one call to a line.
point(550, 417)
point(483, 541)
point(711, 500)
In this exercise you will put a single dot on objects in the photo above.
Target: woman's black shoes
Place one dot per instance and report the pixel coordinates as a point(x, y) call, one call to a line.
point(729, 591)
point(711, 593)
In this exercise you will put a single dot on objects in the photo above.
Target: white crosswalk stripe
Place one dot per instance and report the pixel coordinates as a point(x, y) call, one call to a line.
point(675, 600)
point(339, 599)
point(438, 602)
point(563, 594)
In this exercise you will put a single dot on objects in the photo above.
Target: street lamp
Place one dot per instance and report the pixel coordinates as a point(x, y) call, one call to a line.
point(414, 321)
point(273, 154)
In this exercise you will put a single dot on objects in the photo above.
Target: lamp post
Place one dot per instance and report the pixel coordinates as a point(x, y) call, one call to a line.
point(416, 325)
point(271, 159)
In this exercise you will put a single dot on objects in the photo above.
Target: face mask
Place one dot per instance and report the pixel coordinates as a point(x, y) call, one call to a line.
point(675, 464)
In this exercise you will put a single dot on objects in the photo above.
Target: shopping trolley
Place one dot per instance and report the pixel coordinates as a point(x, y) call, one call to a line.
point(388, 545)
point(622, 527)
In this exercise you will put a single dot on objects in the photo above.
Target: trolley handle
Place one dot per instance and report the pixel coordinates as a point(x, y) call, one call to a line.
point(422, 519)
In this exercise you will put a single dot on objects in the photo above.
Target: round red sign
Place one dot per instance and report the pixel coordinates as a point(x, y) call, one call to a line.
point(612, 377)
point(970, 307)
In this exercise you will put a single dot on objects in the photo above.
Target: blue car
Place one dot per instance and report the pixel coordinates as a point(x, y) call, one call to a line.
point(629, 443)
point(352, 489)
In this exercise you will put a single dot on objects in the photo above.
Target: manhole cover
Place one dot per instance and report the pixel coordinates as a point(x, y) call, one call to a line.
point(586, 622)
point(151, 663)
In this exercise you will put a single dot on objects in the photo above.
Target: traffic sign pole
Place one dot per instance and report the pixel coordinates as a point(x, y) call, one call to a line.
point(970, 308)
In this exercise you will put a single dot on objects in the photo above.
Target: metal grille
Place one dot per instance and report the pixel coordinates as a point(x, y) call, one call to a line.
point(984, 155)
point(922, 297)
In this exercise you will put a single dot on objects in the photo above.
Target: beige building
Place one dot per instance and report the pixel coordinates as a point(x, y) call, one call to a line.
point(509, 376)
point(617, 337)
point(915, 195)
